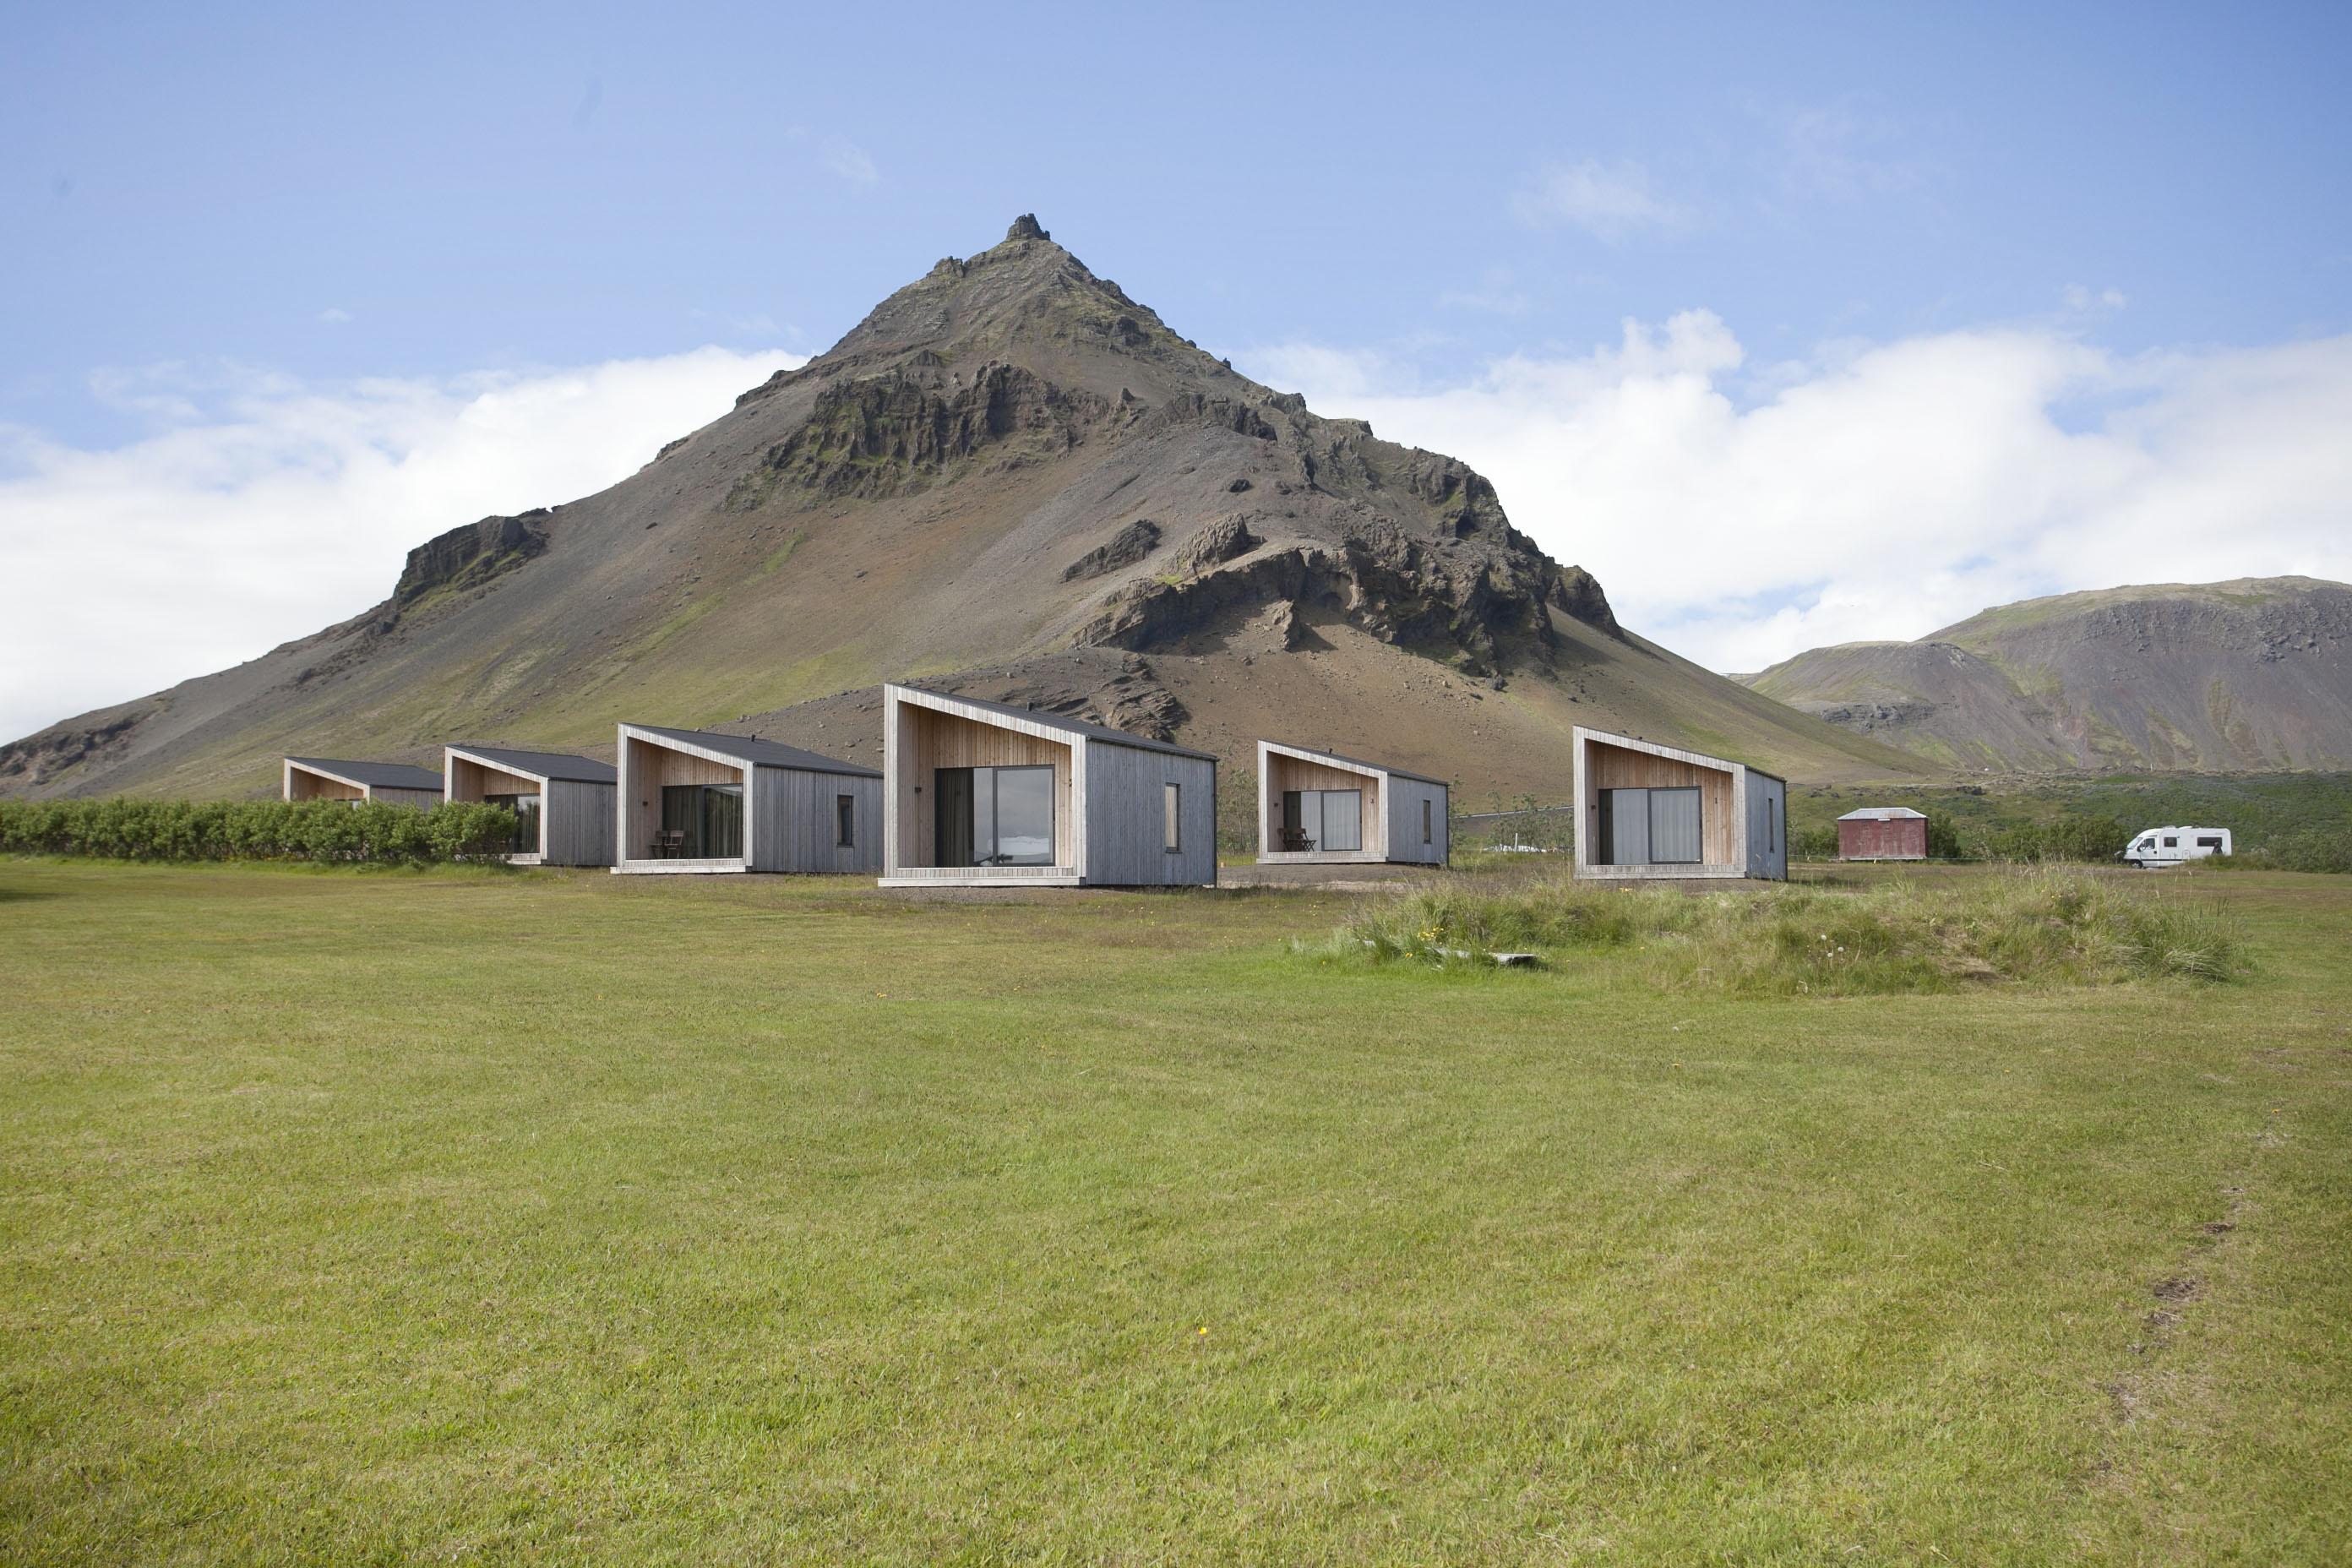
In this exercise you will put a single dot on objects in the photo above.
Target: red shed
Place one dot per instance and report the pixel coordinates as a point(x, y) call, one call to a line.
point(1882, 832)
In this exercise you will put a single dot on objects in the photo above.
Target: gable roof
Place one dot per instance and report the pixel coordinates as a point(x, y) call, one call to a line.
point(545, 765)
point(1357, 762)
point(371, 776)
point(762, 754)
point(1884, 813)
point(1077, 728)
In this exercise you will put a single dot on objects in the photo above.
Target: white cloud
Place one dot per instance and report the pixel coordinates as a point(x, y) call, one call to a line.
point(1609, 201)
point(334, 316)
point(262, 508)
point(1883, 491)
point(2085, 301)
point(1835, 153)
point(849, 160)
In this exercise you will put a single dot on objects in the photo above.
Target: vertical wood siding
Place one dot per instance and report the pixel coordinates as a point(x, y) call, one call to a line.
point(1406, 797)
point(576, 823)
point(645, 767)
point(797, 828)
point(1768, 828)
point(1125, 818)
point(1614, 767)
point(924, 740)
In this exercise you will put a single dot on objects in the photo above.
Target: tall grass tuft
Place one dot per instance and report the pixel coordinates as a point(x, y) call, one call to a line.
point(2031, 926)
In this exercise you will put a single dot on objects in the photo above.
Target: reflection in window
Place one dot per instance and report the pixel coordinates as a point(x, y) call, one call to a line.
point(709, 817)
point(526, 810)
point(1171, 814)
point(994, 817)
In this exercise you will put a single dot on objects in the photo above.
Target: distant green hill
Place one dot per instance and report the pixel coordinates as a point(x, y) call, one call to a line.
point(2253, 674)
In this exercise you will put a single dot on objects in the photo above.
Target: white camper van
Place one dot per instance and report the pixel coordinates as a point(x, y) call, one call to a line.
point(2161, 847)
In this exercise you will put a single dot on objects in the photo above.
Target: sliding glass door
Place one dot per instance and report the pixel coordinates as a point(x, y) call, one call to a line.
point(709, 820)
point(1650, 827)
point(993, 817)
point(1323, 818)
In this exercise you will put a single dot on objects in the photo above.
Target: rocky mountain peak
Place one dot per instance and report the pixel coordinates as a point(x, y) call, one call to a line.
point(1026, 226)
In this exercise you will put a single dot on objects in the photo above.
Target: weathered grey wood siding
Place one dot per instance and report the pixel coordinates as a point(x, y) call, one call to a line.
point(576, 819)
point(794, 822)
point(1406, 797)
point(1125, 827)
point(1767, 827)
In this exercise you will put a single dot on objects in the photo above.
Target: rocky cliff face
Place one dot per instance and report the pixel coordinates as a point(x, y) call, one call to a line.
point(2252, 675)
point(1010, 479)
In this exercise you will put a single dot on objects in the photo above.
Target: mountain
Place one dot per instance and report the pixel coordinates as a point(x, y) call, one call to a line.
point(1010, 480)
point(2250, 675)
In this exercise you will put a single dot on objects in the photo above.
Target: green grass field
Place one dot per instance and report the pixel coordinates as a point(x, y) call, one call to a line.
point(475, 1216)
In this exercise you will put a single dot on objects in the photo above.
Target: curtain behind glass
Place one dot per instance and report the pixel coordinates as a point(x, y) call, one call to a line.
point(1343, 819)
point(1674, 826)
point(723, 822)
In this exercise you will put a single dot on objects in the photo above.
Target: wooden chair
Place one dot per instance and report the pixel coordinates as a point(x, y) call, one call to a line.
point(1295, 840)
point(669, 843)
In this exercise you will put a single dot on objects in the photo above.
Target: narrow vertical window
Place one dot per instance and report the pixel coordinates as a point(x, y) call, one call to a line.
point(845, 813)
point(1172, 809)
point(1424, 822)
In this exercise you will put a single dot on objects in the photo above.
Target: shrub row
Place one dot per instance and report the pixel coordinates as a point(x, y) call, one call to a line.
point(2026, 925)
point(325, 831)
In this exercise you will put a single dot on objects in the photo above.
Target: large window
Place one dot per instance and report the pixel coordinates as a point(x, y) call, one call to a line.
point(1650, 827)
point(708, 818)
point(1323, 818)
point(994, 817)
point(526, 810)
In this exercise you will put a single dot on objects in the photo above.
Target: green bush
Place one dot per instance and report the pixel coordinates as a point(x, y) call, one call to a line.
point(324, 830)
point(2078, 836)
point(2326, 850)
point(2024, 925)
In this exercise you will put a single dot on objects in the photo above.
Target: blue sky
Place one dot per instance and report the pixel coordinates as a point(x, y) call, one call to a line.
point(1380, 206)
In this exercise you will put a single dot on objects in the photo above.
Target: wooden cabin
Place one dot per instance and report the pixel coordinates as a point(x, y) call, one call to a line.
point(1321, 808)
point(563, 803)
point(1882, 832)
point(334, 778)
point(1648, 810)
point(986, 794)
point(693, 800)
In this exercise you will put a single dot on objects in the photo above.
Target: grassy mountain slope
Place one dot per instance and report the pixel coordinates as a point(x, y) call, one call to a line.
point(2247, 675)
point(1008, 479)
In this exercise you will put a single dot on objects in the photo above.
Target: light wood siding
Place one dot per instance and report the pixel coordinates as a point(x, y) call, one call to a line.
point(1406, 797)
point(575, 823)
point(797, 828)
point(1732, 798)
point(301, 783)
point(1614, 767)
point(468, 780)
point(1127, 821)
point(645, 767)
point(422, 799)
point(923, 740)
point(1281, 772)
